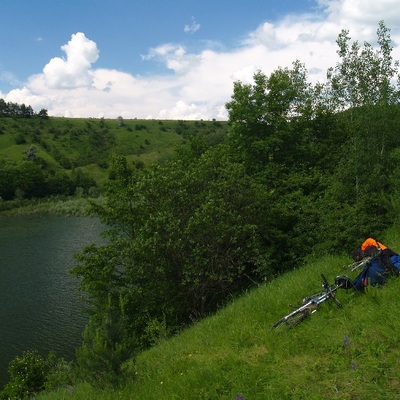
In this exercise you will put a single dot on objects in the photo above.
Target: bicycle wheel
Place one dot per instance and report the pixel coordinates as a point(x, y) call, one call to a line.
point(293, 319)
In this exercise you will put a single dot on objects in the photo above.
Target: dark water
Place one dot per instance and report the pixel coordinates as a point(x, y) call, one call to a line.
point(40, 306)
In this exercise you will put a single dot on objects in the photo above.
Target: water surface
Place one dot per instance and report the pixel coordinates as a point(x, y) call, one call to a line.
point(40, 306)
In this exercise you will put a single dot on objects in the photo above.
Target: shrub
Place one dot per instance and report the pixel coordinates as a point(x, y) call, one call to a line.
point(27, 376)
point(31, 373)
point(20, 138)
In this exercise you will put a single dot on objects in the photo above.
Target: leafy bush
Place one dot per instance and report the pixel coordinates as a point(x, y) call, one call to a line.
point(27, 376)
point(31, 373)
point(20, 139)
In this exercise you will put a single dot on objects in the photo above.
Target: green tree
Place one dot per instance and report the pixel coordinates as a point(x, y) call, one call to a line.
point(183, 238)
point(82, 179)
point(43, 114)
point(7, 180)
point(30, 179)
point(362, 89)
point(120, 121)
point(31, 152)
point(59, 183)
point(262, 115)
point(364, 75)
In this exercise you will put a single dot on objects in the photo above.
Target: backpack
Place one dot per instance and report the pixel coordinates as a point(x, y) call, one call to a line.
point(396, 261)
point(372, 274)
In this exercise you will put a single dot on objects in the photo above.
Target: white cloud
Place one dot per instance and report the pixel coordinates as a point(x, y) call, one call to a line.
point(173, 56)
point(9, 77)
point(198, 84)
point(360, 12)
point(74, 71)
point(193, 27)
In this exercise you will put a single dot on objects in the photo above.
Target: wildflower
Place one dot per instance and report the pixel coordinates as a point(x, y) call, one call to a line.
point(346, 340)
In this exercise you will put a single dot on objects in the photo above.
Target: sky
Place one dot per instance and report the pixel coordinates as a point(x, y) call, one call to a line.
point(164, 59)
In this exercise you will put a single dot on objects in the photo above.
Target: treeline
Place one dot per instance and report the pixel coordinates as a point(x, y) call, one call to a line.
point(28, 179)
point(10, 109)
point(305, 169)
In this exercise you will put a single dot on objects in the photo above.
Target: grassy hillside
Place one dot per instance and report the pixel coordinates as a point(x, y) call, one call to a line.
point(88, 144)
point(349, 353)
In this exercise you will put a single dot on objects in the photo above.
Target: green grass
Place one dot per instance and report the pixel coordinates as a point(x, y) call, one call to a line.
point(348, 353)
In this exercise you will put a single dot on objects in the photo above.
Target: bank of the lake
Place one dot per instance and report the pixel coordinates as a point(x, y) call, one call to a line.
point(41, 308)
point(67, 206)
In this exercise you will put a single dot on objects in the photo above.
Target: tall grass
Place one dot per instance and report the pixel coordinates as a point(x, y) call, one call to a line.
point(348, 353)
point(60, 205)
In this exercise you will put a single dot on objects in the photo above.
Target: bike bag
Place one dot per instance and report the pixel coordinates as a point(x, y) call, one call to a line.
point(372, 274)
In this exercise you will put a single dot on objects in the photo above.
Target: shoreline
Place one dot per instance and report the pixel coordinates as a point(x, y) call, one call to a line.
point(69, 206)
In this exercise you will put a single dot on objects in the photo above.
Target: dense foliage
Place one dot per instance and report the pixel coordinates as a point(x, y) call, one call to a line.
point(304, 168)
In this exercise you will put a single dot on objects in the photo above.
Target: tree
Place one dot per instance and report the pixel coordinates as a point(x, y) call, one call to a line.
point(183, 238)
point(30, 179)
point(262, 116)
point(7, 180)
point(82, 179)
point(31, 152)
point(43, 114)
point(120, 121)
point(362, 88)
point(364, 76)
point(59, 183)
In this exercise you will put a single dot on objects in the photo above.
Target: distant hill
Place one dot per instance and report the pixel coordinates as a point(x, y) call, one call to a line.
point(88, 144)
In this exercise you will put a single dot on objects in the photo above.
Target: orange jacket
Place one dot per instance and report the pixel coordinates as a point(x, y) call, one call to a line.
point(373, 242)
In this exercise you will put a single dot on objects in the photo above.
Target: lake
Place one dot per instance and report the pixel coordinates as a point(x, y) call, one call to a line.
point(40, 306)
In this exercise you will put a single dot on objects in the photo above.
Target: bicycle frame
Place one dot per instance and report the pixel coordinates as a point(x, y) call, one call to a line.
point(310, 304)
point(352, 267)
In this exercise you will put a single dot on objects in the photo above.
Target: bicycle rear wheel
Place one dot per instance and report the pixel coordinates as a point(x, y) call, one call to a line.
point(293, 319)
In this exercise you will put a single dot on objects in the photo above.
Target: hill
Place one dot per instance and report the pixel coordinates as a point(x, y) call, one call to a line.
point(88, 144)
point(348, 353)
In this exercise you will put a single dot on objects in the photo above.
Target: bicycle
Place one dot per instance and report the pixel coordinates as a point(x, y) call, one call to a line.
point(311, 303)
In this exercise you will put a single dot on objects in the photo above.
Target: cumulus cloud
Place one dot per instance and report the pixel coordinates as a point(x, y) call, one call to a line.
point(74, 70)
point(197, 84)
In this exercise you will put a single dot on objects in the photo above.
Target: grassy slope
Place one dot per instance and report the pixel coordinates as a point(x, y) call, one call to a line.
point(145, 141)
point(349, 353)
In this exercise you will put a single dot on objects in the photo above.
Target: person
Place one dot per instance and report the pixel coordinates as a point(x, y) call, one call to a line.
point(382, 262)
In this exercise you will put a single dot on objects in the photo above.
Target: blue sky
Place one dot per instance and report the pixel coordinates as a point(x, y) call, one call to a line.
point(167, 59)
